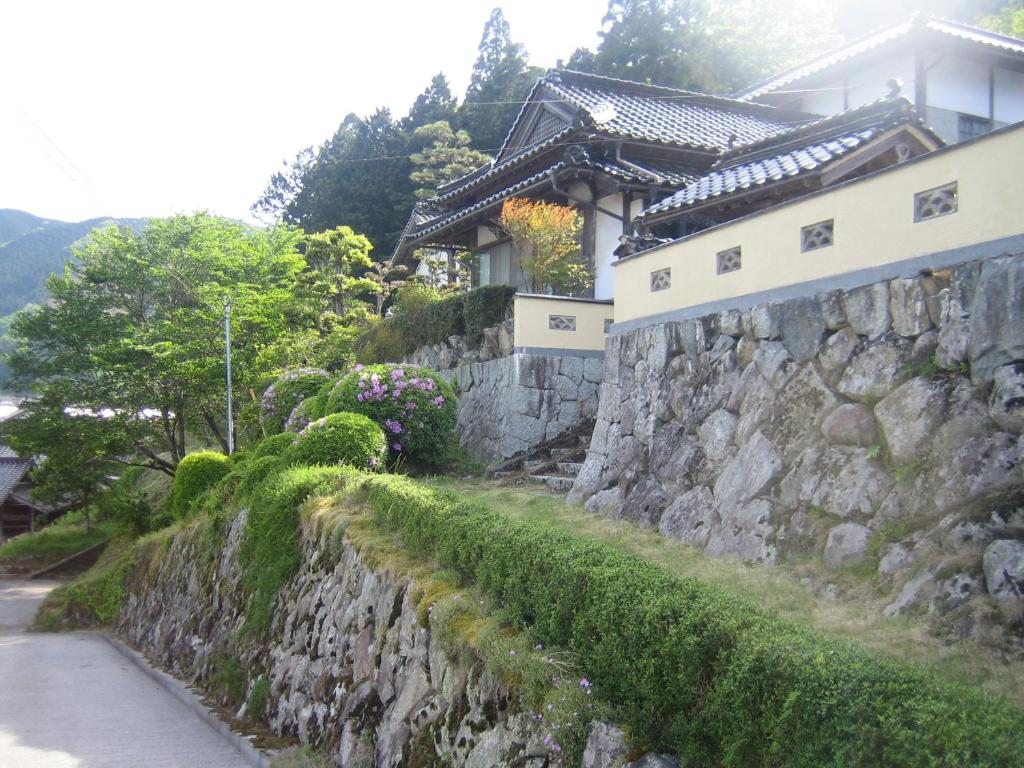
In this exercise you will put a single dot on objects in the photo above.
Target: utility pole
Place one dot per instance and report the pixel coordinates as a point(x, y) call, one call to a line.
point(227, 348)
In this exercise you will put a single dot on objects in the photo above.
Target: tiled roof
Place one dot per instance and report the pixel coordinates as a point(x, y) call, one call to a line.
point(621, 108)
point(7, 452)
point(652, 172)
point(801, 150)
point(917, 23)
point(11, 473)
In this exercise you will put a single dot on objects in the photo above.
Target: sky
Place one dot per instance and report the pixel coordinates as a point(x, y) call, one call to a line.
point(139, 108)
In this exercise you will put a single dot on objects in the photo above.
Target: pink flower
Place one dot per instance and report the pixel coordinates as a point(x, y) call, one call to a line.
point(397, 446)
point(359, 367)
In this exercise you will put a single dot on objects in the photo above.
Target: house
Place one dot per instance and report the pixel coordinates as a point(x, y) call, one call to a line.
point(609, 147)
point(963, 81)
point(17, 512)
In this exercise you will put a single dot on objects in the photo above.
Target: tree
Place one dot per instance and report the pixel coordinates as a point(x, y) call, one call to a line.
point(445, 156)
point(128, 355)
point(435, 104)
point(358, 178)
point(340, 257)
point(708, 46)
point(547, 238)
point(501, 81)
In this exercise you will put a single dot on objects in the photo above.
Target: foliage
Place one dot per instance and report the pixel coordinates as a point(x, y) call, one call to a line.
point(1009, 20)
point(271, 548)
point(227, 679)
point(196, 473)
point(286, 392)
point(130, 512)
point(547, 236)
point(435, 104)
point(132, 341)
point(339, 257)
point(695, 670)
point(253, 474)
point(359, 178)
point(275, 445)
point(414, 406)
point(485, 307)
point(501, 79)
point(341, 438)
point(302, 415)
point(446, 155)
point(708, 46)
point(256, 703)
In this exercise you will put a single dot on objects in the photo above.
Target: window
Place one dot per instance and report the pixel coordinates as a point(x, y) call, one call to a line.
point(661, 279)
point(815, 236)
point(562, 322)
point(970, 126)
point(498, 264)
point(608, 324)
point(729, 261)
point(933, 203)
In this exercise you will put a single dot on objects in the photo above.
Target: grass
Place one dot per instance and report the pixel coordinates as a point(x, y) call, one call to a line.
point(779, 589)
point(54, 543)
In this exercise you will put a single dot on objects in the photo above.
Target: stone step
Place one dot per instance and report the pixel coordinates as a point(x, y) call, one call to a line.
point(533, 464)
point(555, 483)
point(565, 453)
point(569, 468)
point(584, 441)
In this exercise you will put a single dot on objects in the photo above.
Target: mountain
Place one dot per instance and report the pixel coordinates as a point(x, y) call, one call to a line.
point(31, 248)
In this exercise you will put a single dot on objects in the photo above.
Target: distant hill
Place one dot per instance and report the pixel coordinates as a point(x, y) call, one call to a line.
point(32, 248)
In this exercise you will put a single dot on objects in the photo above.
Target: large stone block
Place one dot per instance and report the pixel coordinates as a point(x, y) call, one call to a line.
point(909, 416)
point(691, 517)
point(909, 307)
point(716, 433)
point(832, 311)
point(802, 326)
point(1003, 563)
point(571, 368)
point(847, 545)
point(850, 424)
point(867, 309)
point(1006, 404)
point(593, 369)
point(536, 371)
point(876, 370)
point(836, 353)
point(997, 317)
point(749, 473)
point(744, 533)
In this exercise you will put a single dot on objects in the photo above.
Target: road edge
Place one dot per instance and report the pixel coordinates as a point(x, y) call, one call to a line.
point(182, 693)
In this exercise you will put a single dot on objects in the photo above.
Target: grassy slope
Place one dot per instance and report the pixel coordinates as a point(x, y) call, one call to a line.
point(774, 588)
point(37, 550)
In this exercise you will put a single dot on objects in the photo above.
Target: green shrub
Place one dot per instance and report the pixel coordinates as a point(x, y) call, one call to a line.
point(693, 669)
point(487, 306)
point(196, 473)
point(271, 549)
point(385, 340)
point(287, 391)
point(302, 415)
point(341, 438)
point(254, 474)
point(275, 445)
point(258, 697)
point(414, 406)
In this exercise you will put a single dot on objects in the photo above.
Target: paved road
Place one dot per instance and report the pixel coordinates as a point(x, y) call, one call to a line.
point(72, 701)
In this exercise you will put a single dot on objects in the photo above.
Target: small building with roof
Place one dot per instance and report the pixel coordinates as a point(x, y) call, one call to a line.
point(962, 80)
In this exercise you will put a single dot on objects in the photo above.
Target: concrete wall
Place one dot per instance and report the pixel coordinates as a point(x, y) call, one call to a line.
point(535, 330)
point(874, 229)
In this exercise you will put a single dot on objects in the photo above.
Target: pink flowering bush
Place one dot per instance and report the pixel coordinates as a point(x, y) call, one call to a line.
point(288, 390)
point(414, 406)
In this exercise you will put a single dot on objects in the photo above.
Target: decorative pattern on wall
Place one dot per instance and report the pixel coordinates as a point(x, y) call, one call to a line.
point(562, 322)
point(933, 203)
point(815, 236)
point(661, 279)
point(729, 261)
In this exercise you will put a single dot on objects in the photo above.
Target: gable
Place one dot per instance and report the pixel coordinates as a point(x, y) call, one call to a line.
point(544, 115)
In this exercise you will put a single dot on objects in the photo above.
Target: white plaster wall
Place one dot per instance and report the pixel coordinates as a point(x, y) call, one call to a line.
point(870, 84)
point(484, 236)
point(606, 240)
point(959, 85)
point(1009, 96)
point(824, 102)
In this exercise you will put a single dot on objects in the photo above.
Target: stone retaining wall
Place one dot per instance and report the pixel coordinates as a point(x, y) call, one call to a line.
point(877, 429)
point(510, 405)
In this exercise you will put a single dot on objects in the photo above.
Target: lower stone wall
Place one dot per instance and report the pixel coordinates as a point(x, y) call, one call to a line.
point(351, 667)
point(877, 429)
point(509, 405)
point(495, 342)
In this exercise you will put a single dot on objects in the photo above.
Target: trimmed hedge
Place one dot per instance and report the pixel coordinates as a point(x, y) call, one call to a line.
point(455, 315)
point(414, 406)
point(275, 445)
point(196, 473)
point(341, 438)
point(693, 669)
